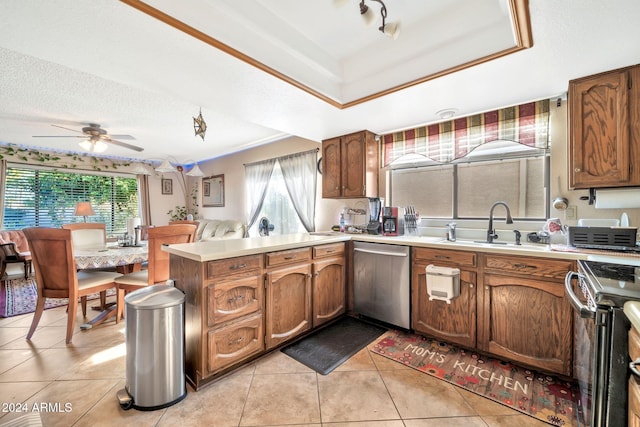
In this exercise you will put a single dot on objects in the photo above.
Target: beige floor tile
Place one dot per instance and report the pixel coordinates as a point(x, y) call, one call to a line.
point(14, 394)
point(513, 420)
point(355, 396)
point(361, 361)
point(418, 395)
point(104, 335)
point(447, 422)
point(98, 363)
point(279, 363)
point(62, 403)
point(282, 399)
point(391, 423)
point(10, 334)
point(44, 337)
point(11, 358)
point(484, 406)
point(49, 317)
point(217, 405)
point(107, 412)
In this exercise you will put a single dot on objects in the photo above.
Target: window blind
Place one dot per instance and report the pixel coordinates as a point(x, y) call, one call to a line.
point(526, 124)
point(47, 198)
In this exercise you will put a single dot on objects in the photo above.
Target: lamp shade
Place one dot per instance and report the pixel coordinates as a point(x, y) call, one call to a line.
point(195, 171)
point(166, 167)
point(391, 30)
point(84, 209)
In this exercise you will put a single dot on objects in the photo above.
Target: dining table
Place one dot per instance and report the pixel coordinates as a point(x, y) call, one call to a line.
point(124, 259)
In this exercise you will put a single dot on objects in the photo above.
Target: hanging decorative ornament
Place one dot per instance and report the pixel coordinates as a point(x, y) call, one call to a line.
point(199, 125)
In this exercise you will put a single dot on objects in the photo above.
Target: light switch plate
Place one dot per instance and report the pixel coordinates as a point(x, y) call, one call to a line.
point(571, 212)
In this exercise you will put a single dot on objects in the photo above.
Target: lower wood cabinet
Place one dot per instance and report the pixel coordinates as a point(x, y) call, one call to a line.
point(328, 283)
point(454, 322)
point(634, 381)
point(287, 300)
point(523, 313)
point(234, 342)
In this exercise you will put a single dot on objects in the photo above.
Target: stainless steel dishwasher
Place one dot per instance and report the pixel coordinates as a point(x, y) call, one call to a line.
point(381, 282)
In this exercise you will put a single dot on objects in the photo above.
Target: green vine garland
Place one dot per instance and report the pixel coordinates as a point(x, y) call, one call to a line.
point(61, 160)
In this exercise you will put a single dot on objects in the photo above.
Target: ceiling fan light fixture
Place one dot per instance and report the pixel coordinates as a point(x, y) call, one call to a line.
point(94, 146)
point(166, 167)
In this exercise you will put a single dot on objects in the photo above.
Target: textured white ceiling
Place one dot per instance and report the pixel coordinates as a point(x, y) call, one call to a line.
point(70, 63)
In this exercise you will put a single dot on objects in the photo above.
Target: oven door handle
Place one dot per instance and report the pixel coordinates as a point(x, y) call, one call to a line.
point(584, 311)
point(633, 366)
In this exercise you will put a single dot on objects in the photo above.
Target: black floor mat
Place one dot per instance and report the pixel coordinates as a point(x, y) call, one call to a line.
point(325, 350)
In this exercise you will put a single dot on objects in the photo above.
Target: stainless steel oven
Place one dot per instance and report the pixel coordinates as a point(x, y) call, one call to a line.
point(598, 291)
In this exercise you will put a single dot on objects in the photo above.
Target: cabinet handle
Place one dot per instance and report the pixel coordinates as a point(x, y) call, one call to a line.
point(238, 341)
point(238, 266)
point(441, 257)
point(236, 298)
point(633, 367)
point(524, 266)
point(290, 257)
point(576, 170)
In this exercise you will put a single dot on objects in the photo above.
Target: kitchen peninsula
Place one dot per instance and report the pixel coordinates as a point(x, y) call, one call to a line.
point(245, 297)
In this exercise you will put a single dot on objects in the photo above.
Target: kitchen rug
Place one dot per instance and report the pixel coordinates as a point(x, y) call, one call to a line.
point(19, 295)
point(328, 348)
point(542, 396)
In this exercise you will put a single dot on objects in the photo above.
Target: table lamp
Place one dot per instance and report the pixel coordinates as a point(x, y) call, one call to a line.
point(84, 209)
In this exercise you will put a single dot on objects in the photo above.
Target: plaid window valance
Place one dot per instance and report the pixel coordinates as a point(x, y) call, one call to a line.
point(526, 124)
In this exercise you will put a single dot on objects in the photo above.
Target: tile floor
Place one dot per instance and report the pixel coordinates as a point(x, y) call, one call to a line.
point(76, 385)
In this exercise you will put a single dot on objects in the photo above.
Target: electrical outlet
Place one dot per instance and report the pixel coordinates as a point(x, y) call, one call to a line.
point(571, 212)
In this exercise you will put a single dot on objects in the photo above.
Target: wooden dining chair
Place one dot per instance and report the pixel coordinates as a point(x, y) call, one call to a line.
point(158, 268)
point(186, 221)
point(87, 235)
point(56, 275)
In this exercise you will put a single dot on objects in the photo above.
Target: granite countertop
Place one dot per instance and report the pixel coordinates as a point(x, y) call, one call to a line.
point(632, 311)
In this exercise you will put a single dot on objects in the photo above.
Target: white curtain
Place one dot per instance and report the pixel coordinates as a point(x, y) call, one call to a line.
point(299, 172)
point(257, 177)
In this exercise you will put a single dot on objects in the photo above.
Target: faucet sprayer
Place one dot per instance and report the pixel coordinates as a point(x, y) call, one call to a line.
point(491, 233)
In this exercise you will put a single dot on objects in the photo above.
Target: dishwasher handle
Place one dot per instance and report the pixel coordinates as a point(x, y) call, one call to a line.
point(583, 311)
point(377, 252)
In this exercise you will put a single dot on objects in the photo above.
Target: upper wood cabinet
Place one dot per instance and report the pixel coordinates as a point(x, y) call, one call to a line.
point(350, 166)
point(604, 127)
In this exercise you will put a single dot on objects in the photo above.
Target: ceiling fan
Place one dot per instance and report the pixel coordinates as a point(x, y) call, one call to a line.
point(95, 138)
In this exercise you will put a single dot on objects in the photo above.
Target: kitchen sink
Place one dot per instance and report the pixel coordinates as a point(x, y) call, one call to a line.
point(497, 245)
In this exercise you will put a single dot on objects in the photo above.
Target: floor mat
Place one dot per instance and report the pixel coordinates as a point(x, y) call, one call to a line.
point(542, 396)
point(325, 350)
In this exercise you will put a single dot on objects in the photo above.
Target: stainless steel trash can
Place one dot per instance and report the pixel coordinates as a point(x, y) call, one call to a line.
point(154, 340)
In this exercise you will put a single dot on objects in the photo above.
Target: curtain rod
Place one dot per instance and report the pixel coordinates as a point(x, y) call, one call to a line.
point(288, 156)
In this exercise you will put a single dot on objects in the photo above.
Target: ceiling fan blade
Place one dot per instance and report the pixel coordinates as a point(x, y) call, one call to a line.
point(125, 145)
point(121, 137)
point(62, 127)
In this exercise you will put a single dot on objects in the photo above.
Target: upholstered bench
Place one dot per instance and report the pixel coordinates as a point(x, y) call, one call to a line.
point(14, 248)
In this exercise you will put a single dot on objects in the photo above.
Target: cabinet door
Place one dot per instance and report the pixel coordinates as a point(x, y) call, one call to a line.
point(455, 322)
point(288, 303)
point(600, 131)
point(331, 168)
point(510, 306)
point(328, 290)
point(353, 161)
point(233, 343)
point(232, 299)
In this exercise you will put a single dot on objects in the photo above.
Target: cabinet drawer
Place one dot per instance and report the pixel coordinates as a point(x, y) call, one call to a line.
point(527, 266)
point(445, 256)
point(233, 299)
point(234, 343)
point(335, 249)
point(234, 266)
point(288, 257)
point(634, 344)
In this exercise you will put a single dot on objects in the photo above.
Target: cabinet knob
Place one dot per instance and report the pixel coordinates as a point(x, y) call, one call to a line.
point(486, 288)
point(471, 286)
point(576, 170)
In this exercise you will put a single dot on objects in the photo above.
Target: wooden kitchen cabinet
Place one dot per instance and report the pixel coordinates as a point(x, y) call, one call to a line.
point(350, 166)
point(523, 313)
point(287, 296)
point(328, 282)
point(455, 322)
point(633, 419)
point(604, 127)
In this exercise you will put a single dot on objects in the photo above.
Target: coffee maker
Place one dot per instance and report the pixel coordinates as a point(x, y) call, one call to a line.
point(374, 226)
point(392, 224)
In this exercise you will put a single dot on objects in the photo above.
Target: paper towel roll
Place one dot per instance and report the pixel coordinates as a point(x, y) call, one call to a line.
point(132, 223)
point(619, 198)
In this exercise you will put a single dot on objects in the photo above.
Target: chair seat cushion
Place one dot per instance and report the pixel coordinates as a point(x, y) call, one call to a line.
point(137, 278)
point(88, 279)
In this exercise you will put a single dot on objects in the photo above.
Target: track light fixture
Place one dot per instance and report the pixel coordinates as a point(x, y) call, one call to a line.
point(391, 29)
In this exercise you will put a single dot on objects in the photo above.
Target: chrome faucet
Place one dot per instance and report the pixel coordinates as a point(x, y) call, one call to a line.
point(491, 233)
